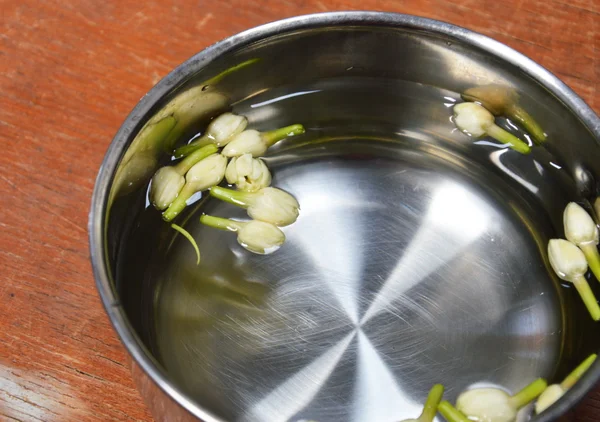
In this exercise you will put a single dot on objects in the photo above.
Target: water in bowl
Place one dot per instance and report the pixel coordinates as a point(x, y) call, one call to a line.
point(418, 258)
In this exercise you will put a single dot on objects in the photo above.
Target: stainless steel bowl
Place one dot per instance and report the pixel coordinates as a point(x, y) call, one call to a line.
point(419, 256)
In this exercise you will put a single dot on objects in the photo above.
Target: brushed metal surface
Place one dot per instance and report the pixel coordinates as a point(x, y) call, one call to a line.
point(419, 254)
point(401, 272)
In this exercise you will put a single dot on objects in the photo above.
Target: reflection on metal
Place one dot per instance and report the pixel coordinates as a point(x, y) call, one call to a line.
point(283, 97)
point(395, 277)
point(377, 395)
point(495, 157)
point(455, 219)
point(300, 389)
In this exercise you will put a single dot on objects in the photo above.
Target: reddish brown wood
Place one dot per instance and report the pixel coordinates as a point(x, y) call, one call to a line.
point(70, 71)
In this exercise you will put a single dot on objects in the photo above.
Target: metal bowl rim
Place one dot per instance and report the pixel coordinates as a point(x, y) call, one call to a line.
point(108, 167)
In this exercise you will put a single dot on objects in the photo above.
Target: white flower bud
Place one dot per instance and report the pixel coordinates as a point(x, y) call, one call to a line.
point(222, 129)
point(566, 259)
point(166, 185)
point(274, 206)
point(473, 119)
point(247, 142)
point(495, 405)
point(247, 173)
point(554, 392)
point(207, 173)
point(549, 397)
point(270, 205)
point(476, 121)
point(569, 263)
point(168, 181)
point(503, 100)
point(579, 226)
point(256, 143)
point(255, 236)
point(260, 237)
point(487, 405)
point(582, 231)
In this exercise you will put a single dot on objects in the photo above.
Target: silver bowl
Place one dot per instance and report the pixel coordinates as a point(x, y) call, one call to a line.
point(419, 256)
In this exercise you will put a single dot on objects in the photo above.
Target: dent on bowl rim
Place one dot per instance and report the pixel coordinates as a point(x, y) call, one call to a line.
point(96, 221)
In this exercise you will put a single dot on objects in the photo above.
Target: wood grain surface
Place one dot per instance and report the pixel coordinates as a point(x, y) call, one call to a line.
point(70, 72)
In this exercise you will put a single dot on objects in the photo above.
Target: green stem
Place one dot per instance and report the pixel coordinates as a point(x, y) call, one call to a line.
point(587, 296)
point(431, 405)
point(508, 138)
point(528, 123)
point(276, 135)
point(241, 199)
point(189, 237)
point(232, 69)
point(529, 393)
point(574, 376)
point(451, 413)
point(179, 203)
point(221, 223)
point(184, 150)
point(188, 162)
point(590, 250)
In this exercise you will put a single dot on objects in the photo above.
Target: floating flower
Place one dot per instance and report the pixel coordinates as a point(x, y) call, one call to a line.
point(168, 181)
point(247, 173)
point(256, 143)
point(476, 121)
point(581, 230)
point(568, 262)
point(203, 175)
point(219, 132)
point(271, 205)
point(503, 101)
point(556, 391)
point(255, 236)
point(495, 405)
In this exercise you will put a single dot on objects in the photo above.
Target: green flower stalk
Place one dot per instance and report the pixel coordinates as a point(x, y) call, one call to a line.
point(581, 230)
point(256, 143)
point(255, 236)
point(503, 101)
point(451, 413)
point(203, 175)
point(189, 238)
point(556, 391)
point(270, 205)
point(495, 405)
point(219, 132)
point(568, 262)
point(247, 173)
point(168, 181)
point(431, 405)
point(476, 121)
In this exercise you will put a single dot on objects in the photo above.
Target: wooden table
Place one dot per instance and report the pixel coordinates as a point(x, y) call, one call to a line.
point(70, 71)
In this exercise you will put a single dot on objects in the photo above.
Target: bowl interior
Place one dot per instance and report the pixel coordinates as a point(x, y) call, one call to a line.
point(419, 256)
